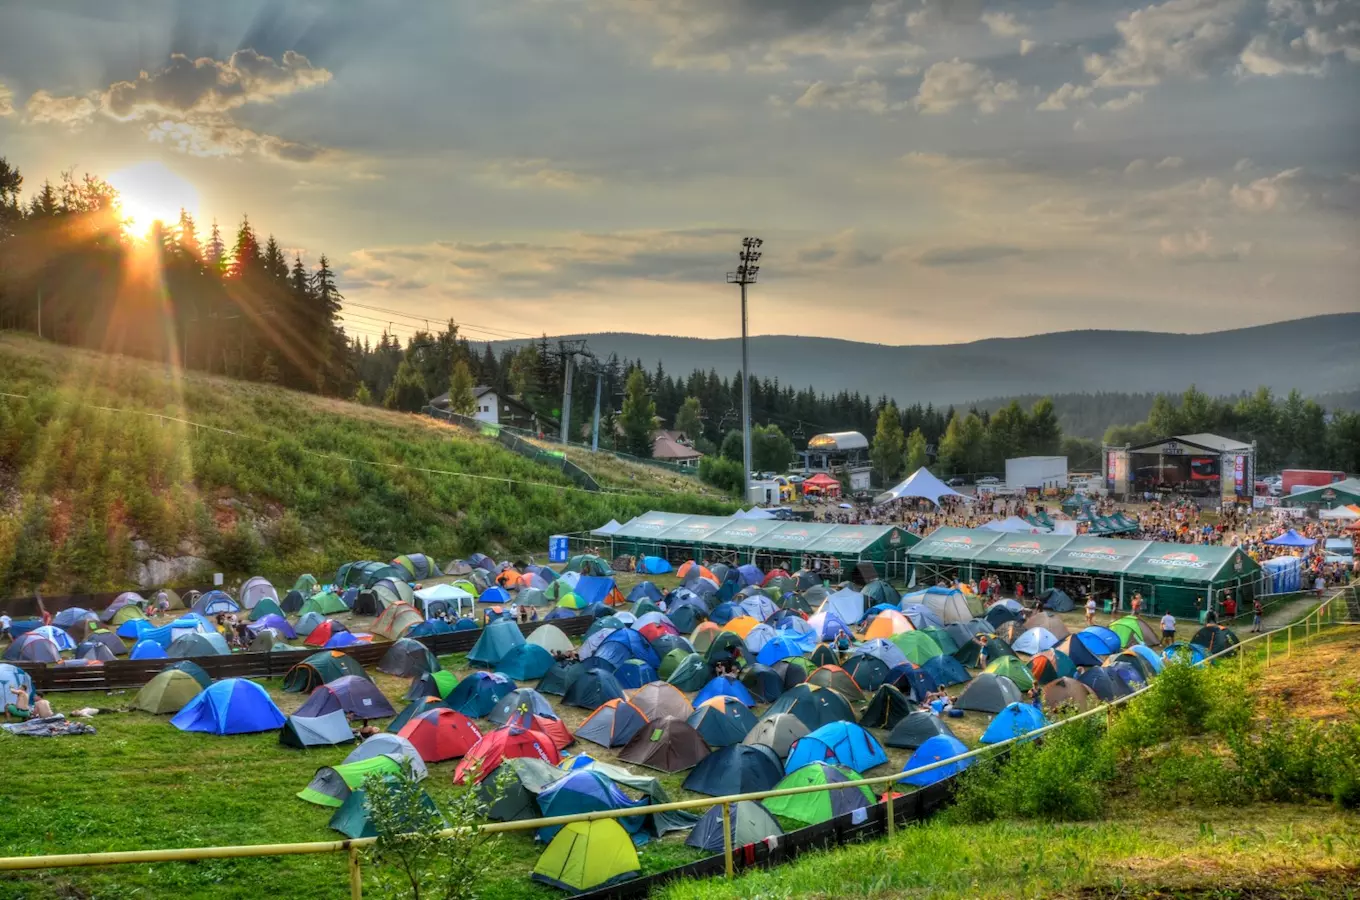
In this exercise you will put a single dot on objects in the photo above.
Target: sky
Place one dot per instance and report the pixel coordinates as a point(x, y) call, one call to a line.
point(921, 171)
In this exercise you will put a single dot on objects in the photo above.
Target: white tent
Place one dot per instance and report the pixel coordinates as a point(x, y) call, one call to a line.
point(1014, 525)
point(755, 512)
point(608, 528)
point(446, 592)
point(1341, 512)
point(921, 484)
point(846, 604)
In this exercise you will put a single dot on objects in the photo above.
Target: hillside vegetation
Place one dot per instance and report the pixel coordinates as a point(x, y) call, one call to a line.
point(246, 479)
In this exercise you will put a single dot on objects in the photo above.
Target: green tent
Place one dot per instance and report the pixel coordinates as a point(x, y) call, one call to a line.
point(331, 785)
point(305, 584)
point(917, 646)
point(352, 819)
point(691, 673)
point(819, 806)
point(586, 855)
point(127, 613)
point(318, 669)
point(266, 607)
point(671, 661)
point(1129, 631)
point(1015, 670)
point(324, 603)
point(168, 692)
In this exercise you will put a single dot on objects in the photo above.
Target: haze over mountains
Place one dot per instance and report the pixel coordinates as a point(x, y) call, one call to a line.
point(1315, 355)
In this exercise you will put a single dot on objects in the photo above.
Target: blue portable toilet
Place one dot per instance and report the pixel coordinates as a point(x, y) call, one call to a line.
point(557, 548)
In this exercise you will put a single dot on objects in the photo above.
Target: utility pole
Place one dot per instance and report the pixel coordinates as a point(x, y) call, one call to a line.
point(599, 383)
point(746, 274)
point(566, 397)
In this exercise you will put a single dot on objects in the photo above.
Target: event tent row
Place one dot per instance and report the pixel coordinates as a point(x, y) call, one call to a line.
point(769, 543)
point(1169, 576)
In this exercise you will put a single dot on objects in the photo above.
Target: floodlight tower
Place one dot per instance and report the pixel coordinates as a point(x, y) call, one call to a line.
point(746, 274)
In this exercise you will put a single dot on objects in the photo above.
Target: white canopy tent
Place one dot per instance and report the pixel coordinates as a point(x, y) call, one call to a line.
point(921, 484)
point(1340, 512)
point(1014, 525)
point(608, 528)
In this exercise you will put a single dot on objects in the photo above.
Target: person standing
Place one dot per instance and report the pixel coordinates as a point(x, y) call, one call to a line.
point(1091, 610)
point(1168, 630)
point(1256, 611)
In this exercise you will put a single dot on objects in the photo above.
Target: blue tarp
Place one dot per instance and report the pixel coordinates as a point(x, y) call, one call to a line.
point(232, 706)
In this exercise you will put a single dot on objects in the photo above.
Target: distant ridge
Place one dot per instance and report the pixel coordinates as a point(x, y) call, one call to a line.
point(1315, 355)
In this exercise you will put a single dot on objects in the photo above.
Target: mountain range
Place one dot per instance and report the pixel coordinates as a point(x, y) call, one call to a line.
point(1314, 355)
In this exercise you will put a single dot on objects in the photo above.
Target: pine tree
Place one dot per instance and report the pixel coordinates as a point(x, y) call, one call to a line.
point(245, 254)
point(639, 415)
point(888, 444)
point(216, 252)
point(461, 399)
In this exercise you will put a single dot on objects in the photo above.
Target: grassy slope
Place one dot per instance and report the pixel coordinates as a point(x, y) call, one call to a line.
point(78, 485)
point(1263, 851)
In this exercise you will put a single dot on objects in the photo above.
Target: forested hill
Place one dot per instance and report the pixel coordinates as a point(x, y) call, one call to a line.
point(1314, 355)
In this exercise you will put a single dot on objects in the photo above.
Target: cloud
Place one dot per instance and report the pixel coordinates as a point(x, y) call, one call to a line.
point(1170, 162)
point(1067, 94)
point(6, 101)
point(968, 256)
point(1129, 100)
point(187, 104)
point(212, 136)
point(1302, 37)
point(867, 96)
point(1182, 38)
point(1027, 46)
point(1197, 246)
point(537, 173)
point(947, 85)
point(1003, 24)
point(43, 108)
point(934, 15)
point(188, 86)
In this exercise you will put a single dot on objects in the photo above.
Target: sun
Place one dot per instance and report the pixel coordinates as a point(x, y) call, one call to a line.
point(149, 192)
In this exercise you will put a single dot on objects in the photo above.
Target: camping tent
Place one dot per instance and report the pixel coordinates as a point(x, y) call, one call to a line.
point(989, 693)
point(777, 731)
point(439, 734)
point(168, 692)
point(917, 728)
point(1016, 720)
point(819, 806)
point(396, 620)
point(355, 695)
point(318, 669)
point(495, 642)
point(669, 744)
point(256, 590)
point(936, 749)
point(328, 730)
point(587, 855)
point(738, 769)
point(407, 658)
point(612, 725)
point(722, 721)
point(749, 823)
point(841, 743)
point(231, 706)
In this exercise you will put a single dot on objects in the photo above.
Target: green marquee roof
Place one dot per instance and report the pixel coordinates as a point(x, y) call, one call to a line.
point(764, 534)
point(1191, 563)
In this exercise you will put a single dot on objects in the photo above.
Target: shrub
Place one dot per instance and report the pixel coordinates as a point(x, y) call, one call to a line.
point(722, 473)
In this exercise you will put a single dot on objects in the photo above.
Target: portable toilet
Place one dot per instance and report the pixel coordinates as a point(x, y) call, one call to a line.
point(557, 548)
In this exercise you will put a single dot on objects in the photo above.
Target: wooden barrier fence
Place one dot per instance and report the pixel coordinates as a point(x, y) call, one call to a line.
point(133, 673)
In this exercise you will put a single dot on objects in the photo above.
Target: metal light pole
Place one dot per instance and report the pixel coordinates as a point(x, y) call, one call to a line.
point(746, 274)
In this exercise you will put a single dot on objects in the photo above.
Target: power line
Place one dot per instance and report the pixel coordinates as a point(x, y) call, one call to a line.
point(470, 325)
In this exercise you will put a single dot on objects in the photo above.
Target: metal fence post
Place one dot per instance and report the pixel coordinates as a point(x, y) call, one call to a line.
point(356, 875)
point(727, 839)
point(892, 824)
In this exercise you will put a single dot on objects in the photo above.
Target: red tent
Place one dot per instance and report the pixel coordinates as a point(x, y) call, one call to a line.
point(823, 484)
point(556, 730)
point(653, 630)
point(440, 734)
point(324, 632)
point(504, 743)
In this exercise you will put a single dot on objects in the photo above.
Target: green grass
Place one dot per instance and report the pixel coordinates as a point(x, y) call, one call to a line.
point(78, 485)
point(1290, 851)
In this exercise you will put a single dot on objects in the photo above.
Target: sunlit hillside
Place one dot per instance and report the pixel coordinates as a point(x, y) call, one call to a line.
point(95, 494)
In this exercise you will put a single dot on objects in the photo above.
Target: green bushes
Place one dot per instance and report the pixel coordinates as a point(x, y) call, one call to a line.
point(722, 473)
point(1195, 736)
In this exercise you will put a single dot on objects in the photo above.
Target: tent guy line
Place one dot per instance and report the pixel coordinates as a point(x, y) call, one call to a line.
point(338, 458)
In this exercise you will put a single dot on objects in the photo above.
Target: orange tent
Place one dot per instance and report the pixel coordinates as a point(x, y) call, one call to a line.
point(703, 636)
point(886, 624)
point(689, 566)
point(512, 578)
point(741, 626)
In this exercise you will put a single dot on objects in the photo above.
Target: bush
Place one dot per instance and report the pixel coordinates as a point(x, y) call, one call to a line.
point(722, 473)
point(238, 551)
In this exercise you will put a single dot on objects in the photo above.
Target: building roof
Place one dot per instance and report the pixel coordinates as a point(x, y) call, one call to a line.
point(1203, 441)
point(839, 440)
point(666, 445)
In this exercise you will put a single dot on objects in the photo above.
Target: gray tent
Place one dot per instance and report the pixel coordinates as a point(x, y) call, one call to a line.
point(750, 823)
point(989, 693)
point(1056, 600)
point(408, 658)
point(316, 731)
point(916, 729)
point(778, 732)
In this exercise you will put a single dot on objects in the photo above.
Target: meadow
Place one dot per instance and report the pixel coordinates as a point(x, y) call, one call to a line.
point(261, 480)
